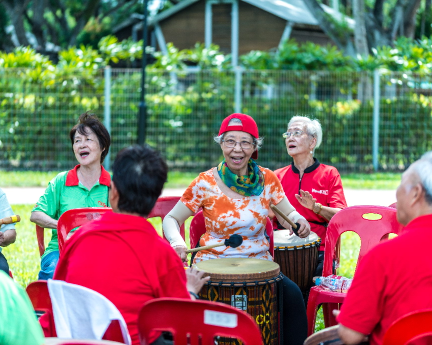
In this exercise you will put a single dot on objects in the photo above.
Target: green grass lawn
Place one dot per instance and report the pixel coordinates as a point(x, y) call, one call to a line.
point(182, 180)
point(24, 260)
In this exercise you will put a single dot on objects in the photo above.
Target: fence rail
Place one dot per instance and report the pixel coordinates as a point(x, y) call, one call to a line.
point(369, 120)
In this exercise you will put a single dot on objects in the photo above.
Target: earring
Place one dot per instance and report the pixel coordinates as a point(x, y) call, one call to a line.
point(311, 152)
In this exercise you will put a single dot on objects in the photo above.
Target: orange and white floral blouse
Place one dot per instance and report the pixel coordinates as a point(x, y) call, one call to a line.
point(224, 216)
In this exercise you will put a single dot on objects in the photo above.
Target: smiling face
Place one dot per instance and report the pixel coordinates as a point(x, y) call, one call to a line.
point(236, 157)
point(86, 147)
point(301, 145)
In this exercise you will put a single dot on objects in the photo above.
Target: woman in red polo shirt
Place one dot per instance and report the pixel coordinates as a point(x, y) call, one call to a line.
point(314, 189)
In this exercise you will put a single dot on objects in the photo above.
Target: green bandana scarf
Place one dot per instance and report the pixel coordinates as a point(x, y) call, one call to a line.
point(247, 185)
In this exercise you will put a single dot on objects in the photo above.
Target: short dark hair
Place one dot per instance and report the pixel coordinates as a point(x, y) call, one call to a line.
point(91, 121)
point(139, 174)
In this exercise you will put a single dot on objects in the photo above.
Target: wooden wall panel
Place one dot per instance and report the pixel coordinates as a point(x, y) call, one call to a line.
point(222, 26)
point(185, 27)
point(258, 30)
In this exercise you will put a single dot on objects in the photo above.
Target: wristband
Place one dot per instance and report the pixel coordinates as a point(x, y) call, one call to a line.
point(194, 294)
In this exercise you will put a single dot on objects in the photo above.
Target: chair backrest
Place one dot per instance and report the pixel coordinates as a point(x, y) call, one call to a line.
point(409, 327)
point(197, 229)
point(58, 341)
point(40, 298)
point(205, 320)
point(40, 239)
point(77, 217)
point(163, 206)
point(371, 223)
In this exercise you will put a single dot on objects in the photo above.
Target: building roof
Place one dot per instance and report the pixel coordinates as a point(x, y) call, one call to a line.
point(294, 11)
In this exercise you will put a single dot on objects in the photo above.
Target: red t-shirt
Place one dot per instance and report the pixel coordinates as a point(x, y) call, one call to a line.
point(323, 182)
point(123, 258)
point(392, 280)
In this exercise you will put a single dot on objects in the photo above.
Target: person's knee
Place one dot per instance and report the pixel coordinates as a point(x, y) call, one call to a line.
point(292, 293)
point(48, 265)
point(4, 266)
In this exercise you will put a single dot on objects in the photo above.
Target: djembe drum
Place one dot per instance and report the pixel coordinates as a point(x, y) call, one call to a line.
point(297, 257)
point(246, 284)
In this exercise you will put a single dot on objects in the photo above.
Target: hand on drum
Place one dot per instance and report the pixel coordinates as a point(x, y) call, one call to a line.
point(306, 199)
point(195, 281)
point(181, 251)
point(304, 230)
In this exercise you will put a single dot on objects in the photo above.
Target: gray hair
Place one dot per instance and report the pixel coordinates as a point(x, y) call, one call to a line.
point(423, 168)
point(256, 141)
point(313, 128)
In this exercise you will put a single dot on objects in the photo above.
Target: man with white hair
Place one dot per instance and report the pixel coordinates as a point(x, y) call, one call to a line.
point(386, 286)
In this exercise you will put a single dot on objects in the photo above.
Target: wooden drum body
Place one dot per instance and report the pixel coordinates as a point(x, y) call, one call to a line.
point(297, 257)
point(246, 284)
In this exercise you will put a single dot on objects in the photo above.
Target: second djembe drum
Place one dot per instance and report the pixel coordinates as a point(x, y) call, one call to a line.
point(246, 284)
point(297, 257)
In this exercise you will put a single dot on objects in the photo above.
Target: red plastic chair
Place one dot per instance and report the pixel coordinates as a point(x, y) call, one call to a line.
point(77, 217)
point(372, 224)
point(41, 301)
point(412, 326)
point(197, 229)
point(205, 320)
point(68, 221)
point(58, 341)
point(163, 206)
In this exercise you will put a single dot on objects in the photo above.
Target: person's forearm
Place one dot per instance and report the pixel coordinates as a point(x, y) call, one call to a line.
point(286, 208)
point(349, 336)
point(43, 220)
point(172, 222)
point(326, 212)
point(9, 237)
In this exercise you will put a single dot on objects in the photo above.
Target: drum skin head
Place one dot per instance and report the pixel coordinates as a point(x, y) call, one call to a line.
point(282, 238)
point(239, 269)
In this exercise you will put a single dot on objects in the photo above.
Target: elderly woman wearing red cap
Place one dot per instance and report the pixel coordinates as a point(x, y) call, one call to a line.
point(235, 198)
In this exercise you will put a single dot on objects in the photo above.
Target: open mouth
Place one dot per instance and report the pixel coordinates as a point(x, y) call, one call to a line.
point(84, 154)
point(237, 160)
point(292, 146)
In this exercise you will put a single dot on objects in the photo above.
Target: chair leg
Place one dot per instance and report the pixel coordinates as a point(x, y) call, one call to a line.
point(329, 319)
point(311, 311)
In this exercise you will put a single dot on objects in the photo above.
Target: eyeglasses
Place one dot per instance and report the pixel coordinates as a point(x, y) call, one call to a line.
point(295, 134)
point(243, 144)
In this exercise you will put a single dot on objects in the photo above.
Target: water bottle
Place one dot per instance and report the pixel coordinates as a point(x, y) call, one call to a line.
point(334, 283)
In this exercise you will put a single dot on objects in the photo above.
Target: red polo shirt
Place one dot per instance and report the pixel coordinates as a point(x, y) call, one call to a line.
point(123, 258)
point(392, 280)
point(323, 182)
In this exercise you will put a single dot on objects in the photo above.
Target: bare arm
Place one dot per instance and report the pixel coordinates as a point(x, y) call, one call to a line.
point(308, 201)
point(43, 220)
point(171, 227)
point(7, 237)
point(349, 336)
point(287, 209)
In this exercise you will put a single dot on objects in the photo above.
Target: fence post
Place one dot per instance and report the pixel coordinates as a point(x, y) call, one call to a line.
point(238, 89)
point(107, 109)
point(376, 110)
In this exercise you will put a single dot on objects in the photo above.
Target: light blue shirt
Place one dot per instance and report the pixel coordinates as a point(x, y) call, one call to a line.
point(5, 211)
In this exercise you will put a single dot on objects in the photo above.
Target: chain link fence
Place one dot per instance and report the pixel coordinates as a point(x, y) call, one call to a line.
point(185, 111)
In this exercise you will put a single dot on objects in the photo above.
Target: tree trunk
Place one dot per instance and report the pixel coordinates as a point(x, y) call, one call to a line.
point(360, 39)
point(428, 17)
point(341, 39)
point(38, 22)
point(409, 18)
point(16, 15)
point(82, 20)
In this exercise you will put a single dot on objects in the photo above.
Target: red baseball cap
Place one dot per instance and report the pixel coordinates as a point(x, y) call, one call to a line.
point(248, 125)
